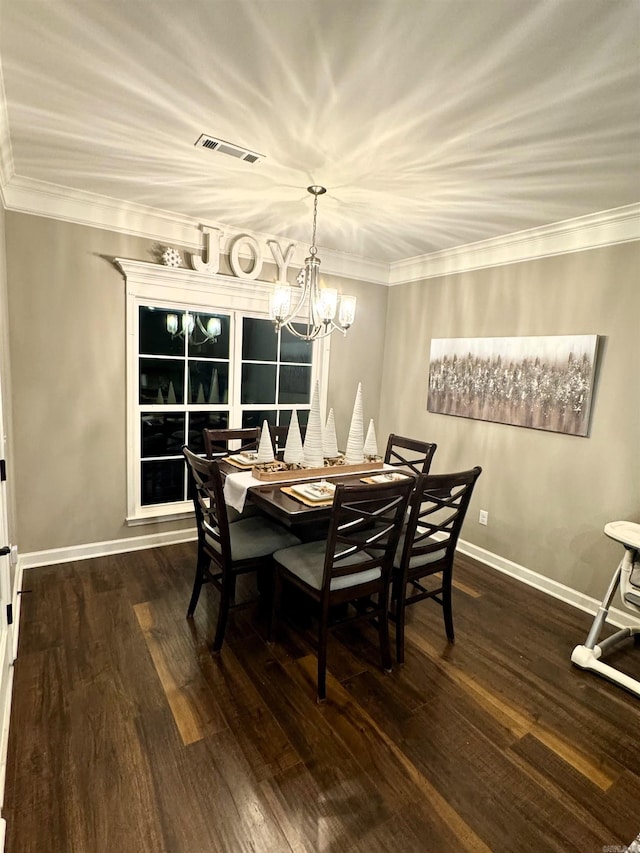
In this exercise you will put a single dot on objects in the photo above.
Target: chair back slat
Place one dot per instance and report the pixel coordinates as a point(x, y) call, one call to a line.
point(410, 453)
point(216, 441)
point(209, 504)
point(438, 508)
point(366, 521)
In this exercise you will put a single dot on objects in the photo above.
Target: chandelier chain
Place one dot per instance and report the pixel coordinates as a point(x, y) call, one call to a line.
point(312, 249)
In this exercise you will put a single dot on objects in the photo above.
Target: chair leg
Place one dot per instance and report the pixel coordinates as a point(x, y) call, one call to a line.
point(201, 568)
point(323, 637)
point(398, 597)
point(226, 594)
point(275, 603)
point(383, 631)
point(448, 612)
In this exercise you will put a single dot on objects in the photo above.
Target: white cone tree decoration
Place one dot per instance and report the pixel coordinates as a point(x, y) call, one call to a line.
point(293, 450)
point(214, 390)
point(313, 454)
point(354, 452)
point(371, 443)
point(329, 440)
point(265, 448)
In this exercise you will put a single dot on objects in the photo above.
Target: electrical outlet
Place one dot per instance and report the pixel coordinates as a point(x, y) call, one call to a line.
point(484, 517)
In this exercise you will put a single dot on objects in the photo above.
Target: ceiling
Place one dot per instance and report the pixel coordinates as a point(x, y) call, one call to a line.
point(432, 123)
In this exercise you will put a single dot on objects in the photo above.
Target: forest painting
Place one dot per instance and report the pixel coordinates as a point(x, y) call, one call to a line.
point(537, 382)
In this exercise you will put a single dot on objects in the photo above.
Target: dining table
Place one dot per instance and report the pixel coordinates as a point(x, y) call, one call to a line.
point(277, 498)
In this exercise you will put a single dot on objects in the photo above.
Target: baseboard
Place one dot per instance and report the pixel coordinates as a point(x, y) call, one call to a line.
point(103, 549)
point(5, 719)
point(619, 618)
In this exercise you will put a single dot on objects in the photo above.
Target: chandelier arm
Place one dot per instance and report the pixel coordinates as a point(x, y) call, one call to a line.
point(293, 313)
point(317, 334)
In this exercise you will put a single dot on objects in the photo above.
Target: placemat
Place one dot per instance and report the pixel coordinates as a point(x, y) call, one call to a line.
point(289, 491)
point(376, 481)
point(243, 466)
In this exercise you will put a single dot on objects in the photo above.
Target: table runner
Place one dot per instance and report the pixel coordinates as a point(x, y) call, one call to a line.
point(236, 485)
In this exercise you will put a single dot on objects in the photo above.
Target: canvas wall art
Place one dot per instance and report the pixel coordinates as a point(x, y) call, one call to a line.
point(537, 382)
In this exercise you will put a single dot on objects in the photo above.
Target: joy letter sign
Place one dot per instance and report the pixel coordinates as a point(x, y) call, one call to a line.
point(246, 243)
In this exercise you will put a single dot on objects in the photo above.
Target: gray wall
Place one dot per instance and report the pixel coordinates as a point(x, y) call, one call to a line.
point(67, 322)
point(548, 495)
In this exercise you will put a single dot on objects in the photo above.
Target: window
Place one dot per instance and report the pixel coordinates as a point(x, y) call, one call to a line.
point(276, 375)
point(183, 387)
point(177, 386)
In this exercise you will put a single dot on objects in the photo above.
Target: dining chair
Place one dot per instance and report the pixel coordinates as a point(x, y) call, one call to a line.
point(216, 446)
point(227, 550)
point(278, 436)
point(347, 574)
point(216, 441)
point(427, 546)
point(409, 453)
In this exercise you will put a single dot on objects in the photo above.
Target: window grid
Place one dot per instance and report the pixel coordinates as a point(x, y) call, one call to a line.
point(153, 468)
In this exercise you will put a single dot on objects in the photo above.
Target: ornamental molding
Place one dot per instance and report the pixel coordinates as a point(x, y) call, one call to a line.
point(39, 198)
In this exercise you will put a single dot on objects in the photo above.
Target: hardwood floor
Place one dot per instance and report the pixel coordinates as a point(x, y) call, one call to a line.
point(127, 736)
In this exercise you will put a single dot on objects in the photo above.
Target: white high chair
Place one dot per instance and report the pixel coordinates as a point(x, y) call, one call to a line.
point(627, 577)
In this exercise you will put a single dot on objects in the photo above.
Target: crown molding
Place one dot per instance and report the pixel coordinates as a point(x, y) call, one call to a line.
point(606, 228)
point(39, 198)
point(6, 154)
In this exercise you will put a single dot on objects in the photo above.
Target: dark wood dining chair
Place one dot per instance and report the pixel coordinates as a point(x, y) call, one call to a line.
point(278, 436)
point(227, 550)
point(427, 546)
point(216, 441)
point(351, 566)
point(409, 453)
point(216, 446)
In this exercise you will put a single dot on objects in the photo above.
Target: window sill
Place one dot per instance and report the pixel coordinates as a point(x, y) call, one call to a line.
point(156, 518)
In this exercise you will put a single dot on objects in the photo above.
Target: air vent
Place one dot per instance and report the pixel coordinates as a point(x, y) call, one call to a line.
point(229, 148)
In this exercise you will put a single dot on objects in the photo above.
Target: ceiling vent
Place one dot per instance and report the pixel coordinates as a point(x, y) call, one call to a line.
point(229, 148)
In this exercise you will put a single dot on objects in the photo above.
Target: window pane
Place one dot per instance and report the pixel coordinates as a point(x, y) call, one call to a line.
point(303, 418)
point(199, 346)
point(258, 383)
point(295, 384)
point(292, 349)
point(259, 340)
point(155, 339)
point(161, 381)
point(204, 420)
point(208, 382)
point(255, 418)
point(163, 481)
point(162, 434)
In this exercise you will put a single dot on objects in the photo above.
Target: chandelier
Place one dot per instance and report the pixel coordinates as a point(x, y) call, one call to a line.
point(192, 327)
point(321, 304)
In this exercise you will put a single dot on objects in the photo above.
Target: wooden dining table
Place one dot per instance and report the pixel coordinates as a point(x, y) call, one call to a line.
point(270, 498)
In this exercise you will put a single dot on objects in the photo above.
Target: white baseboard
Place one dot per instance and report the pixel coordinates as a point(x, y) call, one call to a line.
point(5, 718)
point(102, 549)
point(619, 618)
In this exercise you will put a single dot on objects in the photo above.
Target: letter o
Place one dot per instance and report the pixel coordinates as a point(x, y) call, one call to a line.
point(234, 257)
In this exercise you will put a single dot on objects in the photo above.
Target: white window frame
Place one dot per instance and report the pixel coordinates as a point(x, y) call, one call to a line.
point(184, 289)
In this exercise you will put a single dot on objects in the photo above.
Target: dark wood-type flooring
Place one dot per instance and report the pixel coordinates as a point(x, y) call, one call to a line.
point(127, 736)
